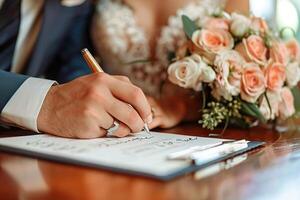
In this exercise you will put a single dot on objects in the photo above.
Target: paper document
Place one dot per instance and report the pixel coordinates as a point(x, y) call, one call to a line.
point(143, 153)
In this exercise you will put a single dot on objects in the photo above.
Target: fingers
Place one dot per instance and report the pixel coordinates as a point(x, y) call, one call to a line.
point(155, 123)
point(122, 78)
point(122, 131)
point(134, 96)
point(120, 100)
point(105, 120)
point(126, 114)
point(90, 133)
point(122, 89)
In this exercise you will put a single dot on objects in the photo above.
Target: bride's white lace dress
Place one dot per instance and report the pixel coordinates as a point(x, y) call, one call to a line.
point(119, 41)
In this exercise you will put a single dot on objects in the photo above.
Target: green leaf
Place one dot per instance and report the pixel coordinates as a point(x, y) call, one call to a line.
point(189, 26)
point(171, 56)
point(252, 109)
point(296, 94)
point(247, 110)
point(239, 122)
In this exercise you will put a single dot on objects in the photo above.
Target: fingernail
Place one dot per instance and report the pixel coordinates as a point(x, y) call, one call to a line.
point(149, 119)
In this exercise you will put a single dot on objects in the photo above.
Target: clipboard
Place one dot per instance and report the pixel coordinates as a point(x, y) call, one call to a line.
point(144, 155)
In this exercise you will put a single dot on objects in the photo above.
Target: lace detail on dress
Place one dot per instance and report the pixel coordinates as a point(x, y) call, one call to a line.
point(119, 41)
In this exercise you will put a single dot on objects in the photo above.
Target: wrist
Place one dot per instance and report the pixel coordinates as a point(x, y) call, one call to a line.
point(43, 119)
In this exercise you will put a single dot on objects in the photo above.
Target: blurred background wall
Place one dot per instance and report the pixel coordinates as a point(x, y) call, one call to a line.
point(281, 14)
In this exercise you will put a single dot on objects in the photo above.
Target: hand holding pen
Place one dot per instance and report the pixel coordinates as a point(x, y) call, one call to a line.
point(91, 105)
point(95, 68)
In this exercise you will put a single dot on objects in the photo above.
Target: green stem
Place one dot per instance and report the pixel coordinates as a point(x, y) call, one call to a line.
point(203, 98)
point(269, 104)
point(226, 125)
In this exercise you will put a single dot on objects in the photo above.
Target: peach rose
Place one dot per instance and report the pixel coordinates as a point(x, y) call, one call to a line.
point(274, 99)
point(216, 23)
point(259, 25)
point(229, 67)
point(252, 82)
point(253, 49)
point(279, 53)
point(293, 49)
point(275, 76)
point(209, 42)
point(286, 106)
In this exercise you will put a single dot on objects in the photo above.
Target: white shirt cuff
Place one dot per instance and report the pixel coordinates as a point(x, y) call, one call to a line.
point(24, 106)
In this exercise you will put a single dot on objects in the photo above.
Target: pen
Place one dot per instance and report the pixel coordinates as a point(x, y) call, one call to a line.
point(184, 154)
point(96, 68)
point(218, 152)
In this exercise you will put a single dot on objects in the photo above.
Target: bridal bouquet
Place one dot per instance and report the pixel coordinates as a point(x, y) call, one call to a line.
point(244, 71)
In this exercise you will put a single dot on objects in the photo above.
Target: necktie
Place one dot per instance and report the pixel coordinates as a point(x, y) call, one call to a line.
point(10, 15)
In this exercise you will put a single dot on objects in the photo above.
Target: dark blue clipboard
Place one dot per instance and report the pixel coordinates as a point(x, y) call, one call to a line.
point(189, 169)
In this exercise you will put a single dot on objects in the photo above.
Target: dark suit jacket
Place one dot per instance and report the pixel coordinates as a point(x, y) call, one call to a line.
point(56, 55)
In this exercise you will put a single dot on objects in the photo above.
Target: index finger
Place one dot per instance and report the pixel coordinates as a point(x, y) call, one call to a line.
point(132, 95)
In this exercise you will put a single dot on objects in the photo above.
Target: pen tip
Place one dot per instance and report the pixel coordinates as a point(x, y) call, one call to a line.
point(146, 128)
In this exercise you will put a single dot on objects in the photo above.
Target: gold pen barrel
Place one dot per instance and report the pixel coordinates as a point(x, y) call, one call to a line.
point(91, 61)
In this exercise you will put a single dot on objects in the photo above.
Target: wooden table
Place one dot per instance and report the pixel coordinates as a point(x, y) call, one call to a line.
point(265, 173)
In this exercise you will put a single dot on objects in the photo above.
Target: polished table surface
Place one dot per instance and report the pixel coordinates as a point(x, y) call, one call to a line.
point(270, 172)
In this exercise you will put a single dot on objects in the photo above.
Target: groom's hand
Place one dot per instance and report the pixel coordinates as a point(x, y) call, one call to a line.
point(87, 106)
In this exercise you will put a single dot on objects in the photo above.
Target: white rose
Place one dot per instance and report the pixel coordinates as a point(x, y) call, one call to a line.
point(187, 73)
point(274, 99)
point(229, 67)
point(239, 25)
point(208, 75)
point(292, 71)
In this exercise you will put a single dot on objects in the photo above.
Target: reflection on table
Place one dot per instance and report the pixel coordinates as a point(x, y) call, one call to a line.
point(266, 173)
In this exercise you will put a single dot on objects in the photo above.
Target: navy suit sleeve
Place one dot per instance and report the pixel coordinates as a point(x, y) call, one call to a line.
point(9, 84)
point(70, 63)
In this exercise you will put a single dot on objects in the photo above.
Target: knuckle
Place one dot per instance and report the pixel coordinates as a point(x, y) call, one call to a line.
point(91, 92)
point(101, 77)
point(124, 78)
point(94, 94)
point(86, 111)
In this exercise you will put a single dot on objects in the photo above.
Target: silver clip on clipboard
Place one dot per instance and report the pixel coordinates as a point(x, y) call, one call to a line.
point(205, 154)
